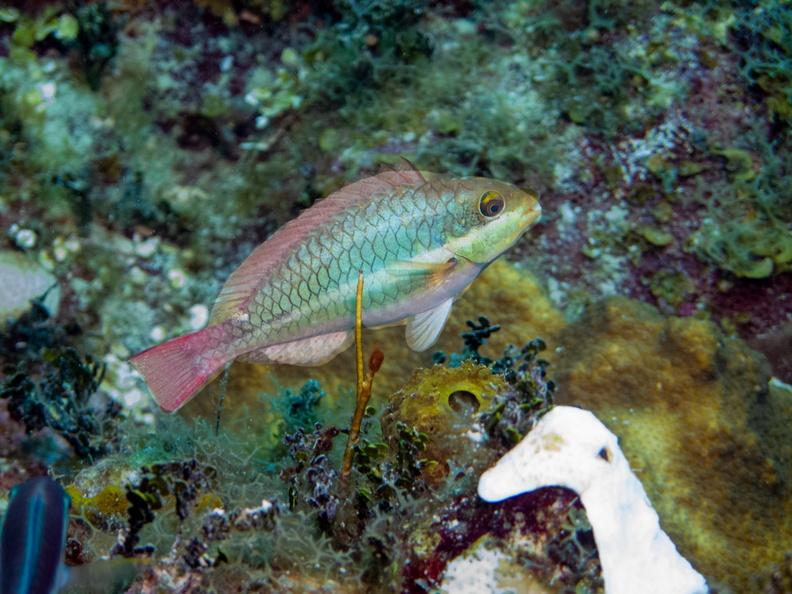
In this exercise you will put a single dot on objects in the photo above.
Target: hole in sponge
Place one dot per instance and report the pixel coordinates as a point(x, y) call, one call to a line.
point(463, 402)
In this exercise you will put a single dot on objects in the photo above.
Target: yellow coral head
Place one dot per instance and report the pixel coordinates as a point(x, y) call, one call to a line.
point(496, 213)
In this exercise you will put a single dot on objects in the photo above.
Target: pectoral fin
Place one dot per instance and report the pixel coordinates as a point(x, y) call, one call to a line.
point(316, 350)
point(423, 329)
point(435, 273)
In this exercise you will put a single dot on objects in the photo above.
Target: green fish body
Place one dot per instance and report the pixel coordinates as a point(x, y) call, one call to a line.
point(419, 241)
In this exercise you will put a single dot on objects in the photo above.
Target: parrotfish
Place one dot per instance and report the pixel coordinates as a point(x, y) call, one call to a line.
point(419, 239)
point(32, 544)
point(33, 538)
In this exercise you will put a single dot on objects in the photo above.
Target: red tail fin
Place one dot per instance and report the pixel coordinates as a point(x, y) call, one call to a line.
point(173, 371)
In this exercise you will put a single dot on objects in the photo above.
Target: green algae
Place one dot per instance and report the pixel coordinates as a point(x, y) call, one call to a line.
point(671, 286)
point(655, 236)
point(61, 399)
point(746, 230)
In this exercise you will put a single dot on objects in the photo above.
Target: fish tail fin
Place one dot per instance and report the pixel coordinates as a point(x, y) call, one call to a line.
point(174, 372)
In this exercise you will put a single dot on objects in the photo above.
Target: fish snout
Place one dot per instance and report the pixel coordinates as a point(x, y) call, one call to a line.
point(532, 216)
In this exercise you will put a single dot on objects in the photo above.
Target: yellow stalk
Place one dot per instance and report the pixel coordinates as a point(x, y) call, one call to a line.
point(363, 381)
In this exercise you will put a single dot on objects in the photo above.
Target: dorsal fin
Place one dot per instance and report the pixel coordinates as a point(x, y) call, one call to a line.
point(241, 285)
point(405, 165)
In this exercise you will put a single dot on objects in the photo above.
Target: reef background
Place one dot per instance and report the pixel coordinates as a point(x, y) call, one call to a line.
point(147, 147)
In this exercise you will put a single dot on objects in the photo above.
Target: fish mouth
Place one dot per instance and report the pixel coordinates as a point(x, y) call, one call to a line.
point(532, 216)
point(528, 219)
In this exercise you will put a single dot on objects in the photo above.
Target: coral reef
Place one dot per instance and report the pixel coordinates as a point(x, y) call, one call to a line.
point(313, 526)
point(147, 148)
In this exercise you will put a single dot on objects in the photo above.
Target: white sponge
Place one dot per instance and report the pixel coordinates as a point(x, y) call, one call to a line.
point(571, 448)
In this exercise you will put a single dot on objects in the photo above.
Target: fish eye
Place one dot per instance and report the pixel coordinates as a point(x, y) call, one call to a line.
point(491, 204)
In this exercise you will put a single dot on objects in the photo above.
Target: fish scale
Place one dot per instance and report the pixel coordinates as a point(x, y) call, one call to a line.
point(418, 240)
point(294, 295)
point(393, 241)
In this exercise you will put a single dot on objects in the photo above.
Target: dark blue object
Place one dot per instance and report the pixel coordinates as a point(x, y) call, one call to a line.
point(33, 537)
